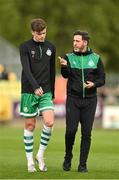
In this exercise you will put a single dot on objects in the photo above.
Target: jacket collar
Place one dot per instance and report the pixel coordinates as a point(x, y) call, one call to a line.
point(89, 51)
point(37, 43)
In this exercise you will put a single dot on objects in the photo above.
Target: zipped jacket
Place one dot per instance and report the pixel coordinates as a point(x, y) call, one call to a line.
point(38, 66)
point(82, 67)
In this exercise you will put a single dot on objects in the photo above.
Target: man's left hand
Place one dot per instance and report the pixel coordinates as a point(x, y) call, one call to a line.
point(89, 84)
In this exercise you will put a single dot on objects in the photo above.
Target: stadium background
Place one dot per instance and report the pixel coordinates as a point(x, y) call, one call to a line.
point(100, 19)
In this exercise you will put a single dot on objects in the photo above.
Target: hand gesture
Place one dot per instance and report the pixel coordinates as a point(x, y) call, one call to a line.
point(62, 61)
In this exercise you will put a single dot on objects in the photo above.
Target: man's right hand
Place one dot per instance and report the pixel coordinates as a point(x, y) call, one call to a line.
point(62, 61)
point(39, 91)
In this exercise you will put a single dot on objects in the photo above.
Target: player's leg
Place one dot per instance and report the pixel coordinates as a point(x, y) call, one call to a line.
point(72, 120)
point(29, 112)
point(87, 119)
point(48, 119)
point(28, 142)
point(47, 109)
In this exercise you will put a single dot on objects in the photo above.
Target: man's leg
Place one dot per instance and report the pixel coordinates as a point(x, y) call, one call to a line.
point(72, 120)
point(28, 142)
point(48, 119)
point(86, 119)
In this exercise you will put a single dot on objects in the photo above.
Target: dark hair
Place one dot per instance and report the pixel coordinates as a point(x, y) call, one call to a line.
point(38, 24)
point(84, 34)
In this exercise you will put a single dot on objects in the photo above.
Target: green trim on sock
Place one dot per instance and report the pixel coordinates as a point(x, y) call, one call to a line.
point(43, 143)
point(29, 150)
point(28, 144)
point(28, 137)
point(48, 134)
point(46, 139)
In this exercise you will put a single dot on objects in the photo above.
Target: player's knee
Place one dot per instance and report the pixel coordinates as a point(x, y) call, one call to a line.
point(49, 123)
point(30, 126)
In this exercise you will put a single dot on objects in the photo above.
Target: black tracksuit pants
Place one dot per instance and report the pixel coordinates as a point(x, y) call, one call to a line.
point(83, 111)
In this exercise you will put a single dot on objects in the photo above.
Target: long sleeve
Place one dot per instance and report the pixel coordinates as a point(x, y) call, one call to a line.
point(100, 75)
point(52, 72)
point(65, 70)
point(26, 67)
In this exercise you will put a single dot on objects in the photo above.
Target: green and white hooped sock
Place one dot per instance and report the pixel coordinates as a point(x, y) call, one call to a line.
point(45, 137)
point(28, 143)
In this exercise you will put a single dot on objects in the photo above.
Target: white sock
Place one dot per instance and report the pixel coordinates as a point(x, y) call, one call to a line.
point(45, 137)
point(28, 143)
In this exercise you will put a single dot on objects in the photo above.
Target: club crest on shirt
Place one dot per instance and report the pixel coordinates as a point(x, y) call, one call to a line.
point(91, 63)
point(74, 62)
point(25, 109)
point(32, 53)
point(48, 52)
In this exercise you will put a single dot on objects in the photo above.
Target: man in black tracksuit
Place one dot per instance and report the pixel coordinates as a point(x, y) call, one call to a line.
point(85, 72)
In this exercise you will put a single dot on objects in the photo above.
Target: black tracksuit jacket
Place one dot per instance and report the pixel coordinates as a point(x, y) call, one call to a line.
point(38, 66)
point(83, 67)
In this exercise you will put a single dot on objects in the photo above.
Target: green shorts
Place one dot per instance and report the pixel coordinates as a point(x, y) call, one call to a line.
point(31, 105)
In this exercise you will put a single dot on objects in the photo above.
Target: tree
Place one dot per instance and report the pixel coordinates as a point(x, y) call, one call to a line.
point(99, 18)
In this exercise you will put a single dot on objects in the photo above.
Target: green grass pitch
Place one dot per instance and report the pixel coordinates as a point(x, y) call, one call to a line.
point(103, 161)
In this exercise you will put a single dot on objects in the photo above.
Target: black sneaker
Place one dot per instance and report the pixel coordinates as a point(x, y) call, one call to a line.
point(67, 163)
point(82, 169)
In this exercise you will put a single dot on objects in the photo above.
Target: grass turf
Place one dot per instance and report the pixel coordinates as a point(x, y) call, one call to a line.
point(103, 161)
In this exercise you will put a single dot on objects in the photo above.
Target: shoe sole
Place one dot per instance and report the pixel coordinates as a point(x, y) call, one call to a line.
point(37, 162)
point(66, 169)
point(32, 171)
